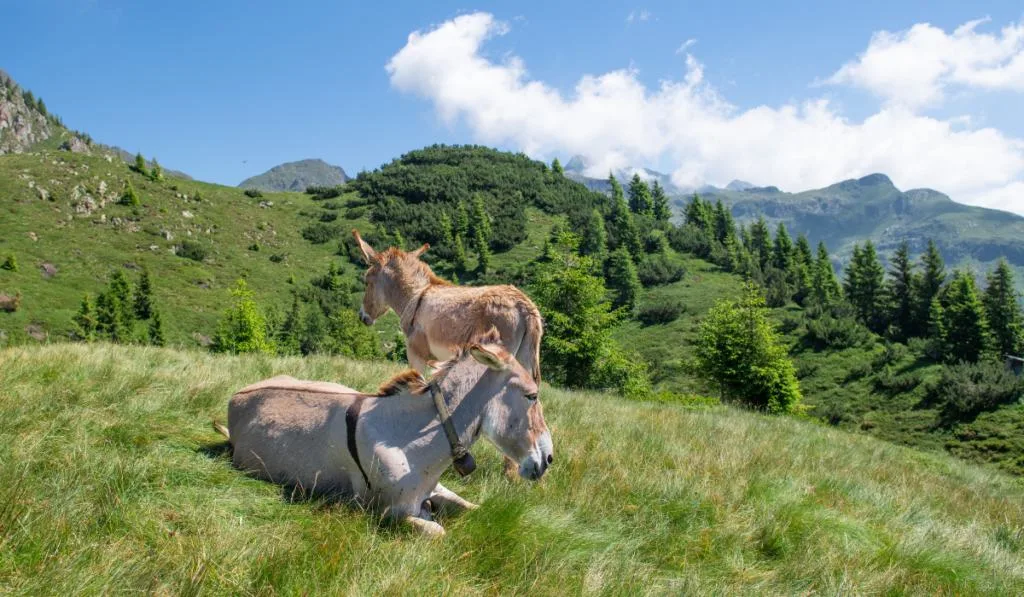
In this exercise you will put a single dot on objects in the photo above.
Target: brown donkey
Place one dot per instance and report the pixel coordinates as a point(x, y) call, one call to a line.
point(437, 316)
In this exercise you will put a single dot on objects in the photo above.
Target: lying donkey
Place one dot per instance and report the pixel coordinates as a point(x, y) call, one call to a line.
point(388, 451)
point(437, 316)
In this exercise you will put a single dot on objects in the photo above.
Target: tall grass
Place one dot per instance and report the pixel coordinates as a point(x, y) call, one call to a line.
point(111, 481)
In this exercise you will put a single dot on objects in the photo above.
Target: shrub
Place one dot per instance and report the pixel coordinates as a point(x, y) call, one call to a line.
point(354, 213)
point(328, 216)
point(790, 324)
point(834, 414)
point(834, 328)
point(243, 328)
point(254, 247)
point(254, 193)
point(320, 193)
point(278, 257)
point(859, 371)
point(10, 264)
point(320, 233)
point(665, 311)
point(657, 270)
point(966, 389)
point(888, 381)
point(890, 355)
point(191, 250)
point(130, 197)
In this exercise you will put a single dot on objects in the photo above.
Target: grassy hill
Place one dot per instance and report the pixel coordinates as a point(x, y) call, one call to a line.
point(113, 481)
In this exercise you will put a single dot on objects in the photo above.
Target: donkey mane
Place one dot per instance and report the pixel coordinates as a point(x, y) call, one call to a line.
point(394, 254)
point(410, 379)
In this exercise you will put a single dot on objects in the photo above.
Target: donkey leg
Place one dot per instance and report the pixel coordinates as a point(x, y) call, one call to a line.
point(429, 528)
point(449, 501)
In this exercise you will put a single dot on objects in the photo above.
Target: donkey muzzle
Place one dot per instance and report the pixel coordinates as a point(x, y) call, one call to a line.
point(364, 317)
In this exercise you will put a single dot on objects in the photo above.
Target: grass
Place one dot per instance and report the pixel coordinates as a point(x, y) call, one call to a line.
point(113, 482)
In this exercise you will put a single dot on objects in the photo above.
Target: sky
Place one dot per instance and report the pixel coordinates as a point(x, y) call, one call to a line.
point(797, 95)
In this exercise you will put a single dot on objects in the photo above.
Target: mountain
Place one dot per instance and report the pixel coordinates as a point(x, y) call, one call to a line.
point(24, 120)
point(873, 208)
point(738, 185)
point(576, 167)
point(297, 176)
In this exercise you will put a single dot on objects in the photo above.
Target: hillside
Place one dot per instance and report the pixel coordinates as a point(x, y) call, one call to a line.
point(297, 176)
point(114, 482)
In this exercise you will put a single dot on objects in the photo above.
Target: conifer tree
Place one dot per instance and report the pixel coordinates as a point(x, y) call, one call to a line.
point(85, 320)
point(725, 226)
point(782, 249)
point(965, 328)
point(143, 301)
point(802, 251)
point(156, 329)
point(481, 234)
point(930, 284)
point(288, 334)
point(1003, 310)
point(760, 242)
point(621, 229)
point(662, 211)
point(108, 321)
point(556, 167)
point(902, 282)
point(120, 291)
point(140, 164)
point(130, 197)
point(9, 264)
point(699, 213)
point(823, 279)
point(639, 196)
point(157, 173)
point(594, 239)
point(243, 327)
point(623, 280)
point(865, 287)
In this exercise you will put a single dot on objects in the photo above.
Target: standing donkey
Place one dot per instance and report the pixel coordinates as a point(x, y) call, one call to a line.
point(437, 316)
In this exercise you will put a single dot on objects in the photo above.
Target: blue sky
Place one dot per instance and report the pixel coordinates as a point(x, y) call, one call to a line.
point(225, 90)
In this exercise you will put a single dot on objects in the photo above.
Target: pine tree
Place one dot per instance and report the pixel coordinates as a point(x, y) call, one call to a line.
point(108, 321)
point(621, 229)
point(156, 329)
point(143, 302)
point(802, 251)
point(966, 332)
point(639, 196)
point(760, 242)
point(120, 292)
point(1003, 311)
point(902, 282)
point(288, 334)
point(930, 284)
point(157, 173)
point(725, 226)
point(85, 320)
point(662, 211)
point(140, 164)
point(623, 280)
point(243, 327)
point(594, 239)
point(865, 287)
point(481, 226)
point(782, 249)
point(130, 197)
point(825, 286)
point(699, 213)
point(556, 167)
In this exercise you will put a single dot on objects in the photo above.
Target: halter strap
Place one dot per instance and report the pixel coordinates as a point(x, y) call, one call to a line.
point(351, 418)
point(462, 460)
point(412, 319)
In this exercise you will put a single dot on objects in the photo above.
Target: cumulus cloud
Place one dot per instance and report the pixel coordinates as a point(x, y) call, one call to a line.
point(615, 121)
point(916, 67)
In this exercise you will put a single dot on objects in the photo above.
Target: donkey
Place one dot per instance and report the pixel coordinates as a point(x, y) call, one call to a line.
point(388, 451)
point(438, 316)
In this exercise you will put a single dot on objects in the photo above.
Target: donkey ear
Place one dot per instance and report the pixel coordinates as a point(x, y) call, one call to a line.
point(491, 336)
point(434, 364)
point(368, 253)
point(487, 357)
point(420, 250)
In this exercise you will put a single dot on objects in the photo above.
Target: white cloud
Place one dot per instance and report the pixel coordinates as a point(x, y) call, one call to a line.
point(916, 67)
point(686, 45)
point(615, 121)
point(638, 16)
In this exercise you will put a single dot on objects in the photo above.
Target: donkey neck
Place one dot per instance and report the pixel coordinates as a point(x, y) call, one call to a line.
point(407, 291)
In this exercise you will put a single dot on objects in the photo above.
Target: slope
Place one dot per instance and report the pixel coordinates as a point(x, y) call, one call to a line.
point(114, 481)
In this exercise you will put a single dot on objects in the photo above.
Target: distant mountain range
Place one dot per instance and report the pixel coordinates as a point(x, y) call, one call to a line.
point(854, 210)
point(296, 176)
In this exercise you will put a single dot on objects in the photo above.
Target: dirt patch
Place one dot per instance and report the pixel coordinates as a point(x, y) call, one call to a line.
point(8, 303)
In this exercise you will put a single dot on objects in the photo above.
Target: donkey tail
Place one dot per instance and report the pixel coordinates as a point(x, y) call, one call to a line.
point(222, 430)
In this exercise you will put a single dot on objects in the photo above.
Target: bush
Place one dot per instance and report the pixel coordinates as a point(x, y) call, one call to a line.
point(243, 327)
point(665, 311)
point(191, 250)
point(320, 193)
point(320, 233)
point(328, 216)
point(254, 193)
point(790, 324)
point(834, 328)
point(354, 213)
point(893, 383)
point(890, 355)
point(278, 257)
point(967, 389)
point(834, 414)
point(859, 371)
point(10, 264)
point(254, 247)
point(657, 270)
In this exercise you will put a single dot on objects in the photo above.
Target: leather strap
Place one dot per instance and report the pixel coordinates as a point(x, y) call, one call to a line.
point(463, 460)
point(351, 418)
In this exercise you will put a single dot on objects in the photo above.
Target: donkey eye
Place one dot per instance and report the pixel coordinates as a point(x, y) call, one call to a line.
point(531, 397)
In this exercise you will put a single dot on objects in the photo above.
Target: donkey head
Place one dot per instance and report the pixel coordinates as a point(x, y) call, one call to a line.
point(391, 273)
point(513, 419)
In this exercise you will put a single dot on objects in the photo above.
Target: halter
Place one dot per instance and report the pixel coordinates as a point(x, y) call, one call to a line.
point(462, 460)
point(412, 319)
